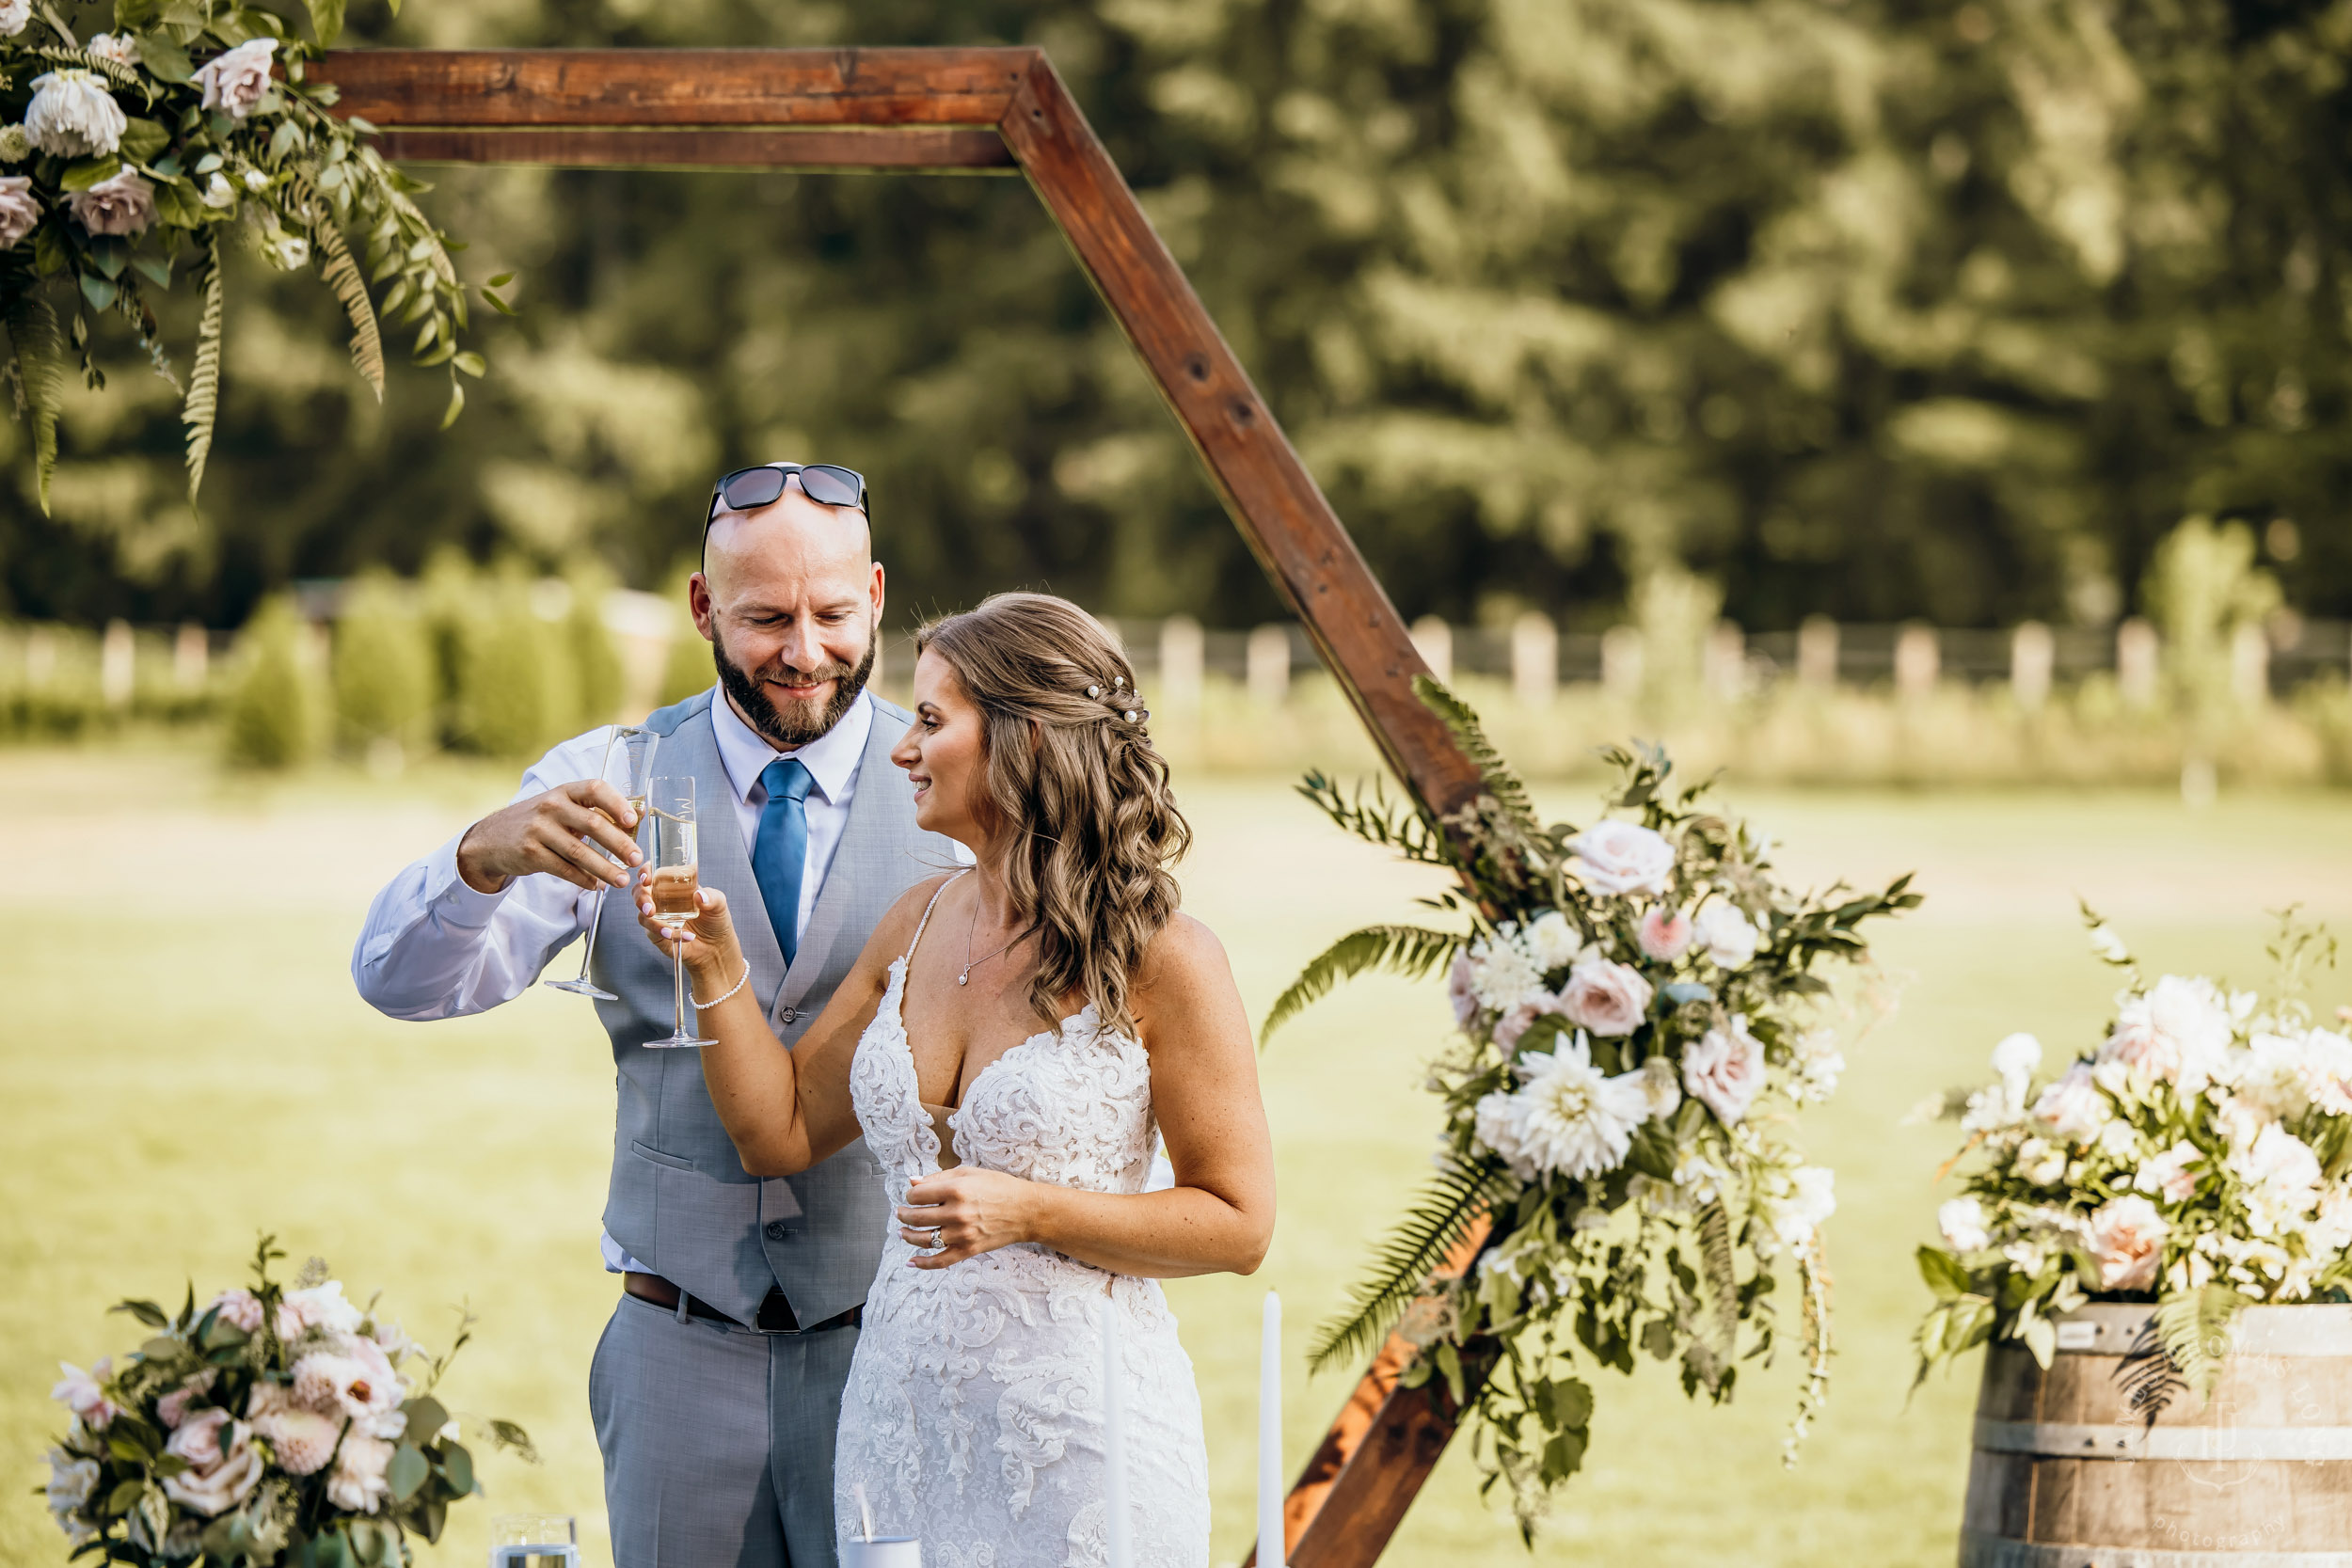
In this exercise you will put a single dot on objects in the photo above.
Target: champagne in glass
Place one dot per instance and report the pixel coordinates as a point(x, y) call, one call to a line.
point(672, 882)
point(627, 767)
point(533, 1541)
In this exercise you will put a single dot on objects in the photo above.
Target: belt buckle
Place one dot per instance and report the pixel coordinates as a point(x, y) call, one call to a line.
point(772, 1307)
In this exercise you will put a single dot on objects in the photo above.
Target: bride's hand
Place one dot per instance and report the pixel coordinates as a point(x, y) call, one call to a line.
point(974, 1210)
point(708, 942)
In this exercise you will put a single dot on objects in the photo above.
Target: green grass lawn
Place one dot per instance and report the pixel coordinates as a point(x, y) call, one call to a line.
point(186, 1063)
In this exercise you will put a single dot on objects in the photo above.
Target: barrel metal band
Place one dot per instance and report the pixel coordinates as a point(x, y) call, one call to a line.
point(1979, 1550)
point(2059, 1441)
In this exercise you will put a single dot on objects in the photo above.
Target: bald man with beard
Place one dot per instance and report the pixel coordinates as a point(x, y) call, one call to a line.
point(717, 1386)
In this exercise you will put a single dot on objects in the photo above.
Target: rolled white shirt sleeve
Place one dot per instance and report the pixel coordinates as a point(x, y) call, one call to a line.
point(432, 947)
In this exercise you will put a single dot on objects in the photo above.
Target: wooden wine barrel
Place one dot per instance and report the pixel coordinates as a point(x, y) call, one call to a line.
point(2068, 1472)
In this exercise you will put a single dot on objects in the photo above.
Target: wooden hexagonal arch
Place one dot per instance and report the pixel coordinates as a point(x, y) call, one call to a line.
point(988, 111)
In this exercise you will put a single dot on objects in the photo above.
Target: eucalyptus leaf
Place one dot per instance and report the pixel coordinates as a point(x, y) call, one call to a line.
point(164, 57)
point(83, 173)
point(142, 139)
point(100, 291)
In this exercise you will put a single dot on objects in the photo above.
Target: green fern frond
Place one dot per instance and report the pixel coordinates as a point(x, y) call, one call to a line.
point(2195, 1327)
point(1501, 782)
point(41, 367)
point(1411, 951)
point(1723, 1278)
point(203, 400)
point(1443, 1216)
point(342, 273)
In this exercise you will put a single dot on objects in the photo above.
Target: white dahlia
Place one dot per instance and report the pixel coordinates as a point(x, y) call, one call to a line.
point(73, 115)
point(1570, 1118)
point(1502, 974)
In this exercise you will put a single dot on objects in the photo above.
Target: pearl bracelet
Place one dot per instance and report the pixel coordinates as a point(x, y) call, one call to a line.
point(723, 995)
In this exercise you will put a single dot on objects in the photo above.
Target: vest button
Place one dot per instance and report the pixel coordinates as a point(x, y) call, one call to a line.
point(790, 1016)
point(776, 1230)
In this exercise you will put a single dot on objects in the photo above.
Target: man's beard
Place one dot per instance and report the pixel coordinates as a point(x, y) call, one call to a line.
point(797, 723)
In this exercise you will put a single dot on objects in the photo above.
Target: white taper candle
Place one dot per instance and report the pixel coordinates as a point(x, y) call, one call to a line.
point(1116, 1523)
point(1270, 1546)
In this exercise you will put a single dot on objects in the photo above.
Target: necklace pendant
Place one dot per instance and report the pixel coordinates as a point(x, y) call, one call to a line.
point(964, 977)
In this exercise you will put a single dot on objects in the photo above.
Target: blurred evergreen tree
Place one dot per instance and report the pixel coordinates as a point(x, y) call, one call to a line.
point(1879, 310)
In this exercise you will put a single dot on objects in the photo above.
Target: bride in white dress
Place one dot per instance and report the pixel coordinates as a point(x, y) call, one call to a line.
point(1035, 1026)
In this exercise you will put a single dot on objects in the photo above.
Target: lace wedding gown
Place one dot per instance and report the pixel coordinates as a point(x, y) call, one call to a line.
point(974, 1413)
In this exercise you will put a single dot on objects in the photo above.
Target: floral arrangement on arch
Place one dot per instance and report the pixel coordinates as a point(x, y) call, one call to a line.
point(128, 157)
point(1641, 1014)
point(2200, 1158)
point(273, 1423)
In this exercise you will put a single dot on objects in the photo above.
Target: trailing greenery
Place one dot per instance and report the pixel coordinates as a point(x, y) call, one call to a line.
point(1641, 1009)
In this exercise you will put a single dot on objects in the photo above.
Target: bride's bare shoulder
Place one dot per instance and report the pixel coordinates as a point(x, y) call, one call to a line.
point(1185, 969)
point(894, 932)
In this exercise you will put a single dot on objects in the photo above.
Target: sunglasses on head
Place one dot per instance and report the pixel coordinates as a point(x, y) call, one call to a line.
point(749, 489)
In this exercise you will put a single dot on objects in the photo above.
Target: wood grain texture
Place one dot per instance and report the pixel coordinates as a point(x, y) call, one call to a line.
point(1272, 498)
point(449, 87)
point(922, 149)
point(2065, 1460)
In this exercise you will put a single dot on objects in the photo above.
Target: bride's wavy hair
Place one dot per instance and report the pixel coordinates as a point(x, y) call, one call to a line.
point(1070, 766)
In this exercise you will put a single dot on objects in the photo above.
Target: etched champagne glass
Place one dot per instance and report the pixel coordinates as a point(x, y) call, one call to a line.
point(673, 883)
point(627, 767)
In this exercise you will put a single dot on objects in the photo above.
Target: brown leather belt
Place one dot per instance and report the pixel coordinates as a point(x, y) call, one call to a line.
point(776, 1312)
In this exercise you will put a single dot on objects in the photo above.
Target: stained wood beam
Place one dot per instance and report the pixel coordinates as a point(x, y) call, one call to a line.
point(918, 150)
point(573, 87)
point(1267, 491)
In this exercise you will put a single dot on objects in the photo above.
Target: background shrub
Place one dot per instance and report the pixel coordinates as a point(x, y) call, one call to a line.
point(273, 716)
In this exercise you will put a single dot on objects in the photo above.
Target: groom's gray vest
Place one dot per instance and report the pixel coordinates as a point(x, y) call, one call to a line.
point(681, 1203)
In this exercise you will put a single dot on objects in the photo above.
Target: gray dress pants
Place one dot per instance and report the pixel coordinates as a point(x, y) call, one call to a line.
point(718, 1441)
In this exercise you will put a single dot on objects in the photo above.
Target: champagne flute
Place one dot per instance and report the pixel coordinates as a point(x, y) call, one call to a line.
point(628, 768)
point(672, 882)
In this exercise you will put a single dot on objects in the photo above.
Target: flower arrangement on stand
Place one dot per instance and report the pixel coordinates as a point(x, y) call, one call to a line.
point(2198, 1157)
point(130, 155)
point(1641, 1013)
point(273, 1424)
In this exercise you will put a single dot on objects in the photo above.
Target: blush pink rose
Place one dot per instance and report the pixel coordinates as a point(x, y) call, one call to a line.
point(123, 205)
point(1724, 1069)
point(1458, 990)
point(1515, 1023)
point(20, 209)
point(1665, 934)
point(2075, 1107)
point(80, 1392)
point(224, 1466)
point(2126, 1237)
point(1609, 999)
point(234, 80)
point(1623, 857)
point(241, 1307)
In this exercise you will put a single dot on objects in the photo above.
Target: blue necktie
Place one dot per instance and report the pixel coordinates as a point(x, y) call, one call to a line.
point(780, 853)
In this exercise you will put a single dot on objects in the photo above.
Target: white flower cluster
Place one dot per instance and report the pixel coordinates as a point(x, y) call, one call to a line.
point(2180, 1153)
point(1567, 1118)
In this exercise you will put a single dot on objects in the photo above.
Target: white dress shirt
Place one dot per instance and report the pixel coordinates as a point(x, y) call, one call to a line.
point(432, 947)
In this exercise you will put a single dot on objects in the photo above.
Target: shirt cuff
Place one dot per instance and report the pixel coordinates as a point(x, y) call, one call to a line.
point(452, 900)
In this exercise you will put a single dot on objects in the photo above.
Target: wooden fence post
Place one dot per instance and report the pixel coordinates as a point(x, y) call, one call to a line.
point(1183, 655)
point(1267, 663)
point(1817, 651)
point(2135, 664)
point(1534, 661)
point(1434, 641)
point(118, 664)
point(1621, 662)
point(1917, 663)
point(2032, 658)
point(191, 658)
